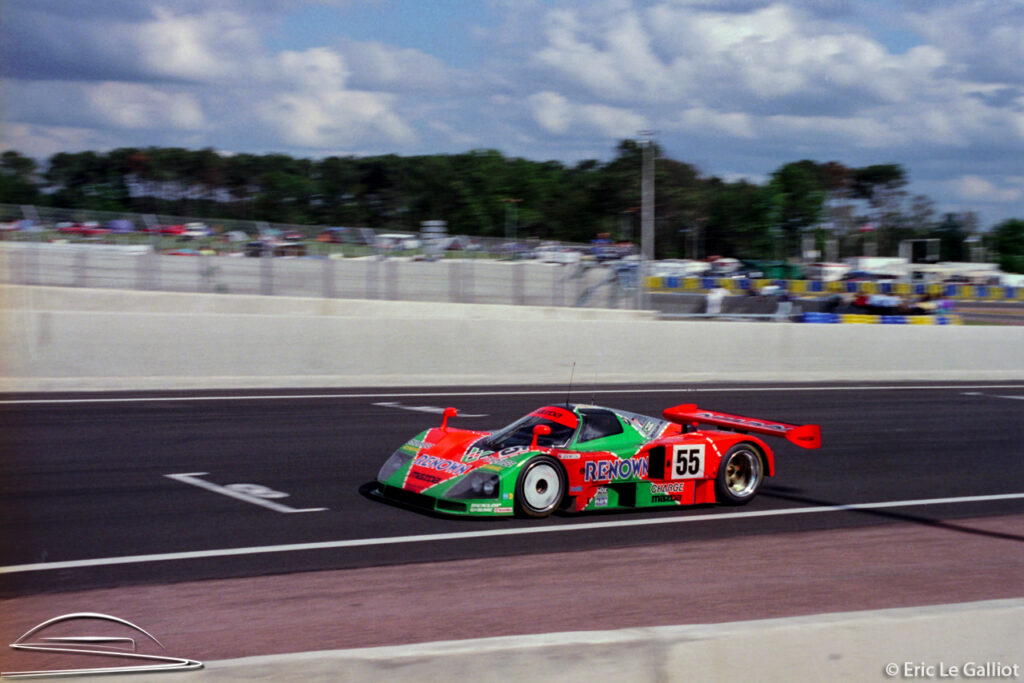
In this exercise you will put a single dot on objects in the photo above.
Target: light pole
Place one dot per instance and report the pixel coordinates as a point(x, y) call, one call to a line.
point(647, 196)
point(511, 216)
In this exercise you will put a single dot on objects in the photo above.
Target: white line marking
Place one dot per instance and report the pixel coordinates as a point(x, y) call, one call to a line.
point(235, 491)
point(978, 393)
point(519, 531)
point(510, 392)
point(424, 409)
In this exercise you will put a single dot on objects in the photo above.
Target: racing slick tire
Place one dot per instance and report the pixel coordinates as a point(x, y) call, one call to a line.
point(740, 474)
point(540, 487)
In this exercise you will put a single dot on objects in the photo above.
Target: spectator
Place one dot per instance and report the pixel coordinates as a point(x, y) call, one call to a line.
point(714, 301)
point(785, 308)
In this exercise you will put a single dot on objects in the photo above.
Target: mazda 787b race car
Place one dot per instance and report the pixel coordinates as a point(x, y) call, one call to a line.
point(581, 457)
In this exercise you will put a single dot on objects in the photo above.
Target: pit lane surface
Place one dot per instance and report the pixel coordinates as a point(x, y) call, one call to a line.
point(86, 478)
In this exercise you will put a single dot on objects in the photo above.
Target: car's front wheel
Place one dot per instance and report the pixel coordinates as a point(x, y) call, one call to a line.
point(540, 487)
point(740, 474)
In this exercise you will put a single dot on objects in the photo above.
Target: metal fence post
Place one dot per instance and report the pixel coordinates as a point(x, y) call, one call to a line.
point(267, 272)
point(469, 281)
point(81, 267)
point(518, 283)
point(205, 272)
point(371, 277)
point(454, 293)
point(327, 278)
point(391, 279)
point(30, 264)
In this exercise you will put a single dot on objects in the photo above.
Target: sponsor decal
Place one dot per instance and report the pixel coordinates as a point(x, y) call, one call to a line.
point(496, 464)
point(743, 421)
point(646, 427)
point(601, 497)
point(661, 498)
point(562, 417)
point(503, 509)
point(483, 507)
point(432, 462)
point(423, 476)
point(568, 456)
point(419, 444)
point(668, 488)
point(474, 454)
point(613, 470)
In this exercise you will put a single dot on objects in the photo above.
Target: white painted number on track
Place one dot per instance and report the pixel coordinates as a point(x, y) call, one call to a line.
point(250, 493)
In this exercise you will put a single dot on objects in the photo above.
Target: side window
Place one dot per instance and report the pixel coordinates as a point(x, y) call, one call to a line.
point(598, 424)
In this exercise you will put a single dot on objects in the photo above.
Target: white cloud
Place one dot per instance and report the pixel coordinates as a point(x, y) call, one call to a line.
point(43, 141)
point(378, 66)
point(557, 115)
point(207, 46)
point(312, 107)
point(133, 105)
point(313, 70)
point(551, 111)
point(977, 188)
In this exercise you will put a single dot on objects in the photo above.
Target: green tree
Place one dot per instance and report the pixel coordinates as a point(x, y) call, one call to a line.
point(18, 184)
point(1008, 239)
point(798, 195)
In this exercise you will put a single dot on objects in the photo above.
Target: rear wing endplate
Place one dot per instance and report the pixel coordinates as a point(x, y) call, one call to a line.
point(805, 436)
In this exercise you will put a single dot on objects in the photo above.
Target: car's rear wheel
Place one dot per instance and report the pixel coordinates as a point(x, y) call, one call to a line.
point(540, 487)
point(740, 474)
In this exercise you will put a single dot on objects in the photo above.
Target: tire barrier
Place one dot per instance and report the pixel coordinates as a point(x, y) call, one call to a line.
point(864, 319)
point(963, 292)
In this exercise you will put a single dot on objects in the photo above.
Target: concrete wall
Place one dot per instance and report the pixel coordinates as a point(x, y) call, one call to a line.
point(858, 646)
point(66, 339)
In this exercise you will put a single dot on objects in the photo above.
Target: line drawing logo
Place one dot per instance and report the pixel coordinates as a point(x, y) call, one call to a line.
point(119, 647)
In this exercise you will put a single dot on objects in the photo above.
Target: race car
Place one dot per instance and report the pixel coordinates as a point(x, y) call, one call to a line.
point(575, 458)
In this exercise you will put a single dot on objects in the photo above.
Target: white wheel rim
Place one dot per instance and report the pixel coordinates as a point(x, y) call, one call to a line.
point(541, 487)
point(743, 473)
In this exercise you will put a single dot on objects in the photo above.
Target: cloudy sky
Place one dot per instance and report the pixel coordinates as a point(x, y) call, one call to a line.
point(736, 87)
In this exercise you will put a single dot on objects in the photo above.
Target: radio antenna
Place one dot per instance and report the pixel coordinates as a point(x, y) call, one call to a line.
point(568, 392)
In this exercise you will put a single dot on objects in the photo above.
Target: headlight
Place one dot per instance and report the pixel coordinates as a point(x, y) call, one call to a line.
point(397, 460)
point(476, 484)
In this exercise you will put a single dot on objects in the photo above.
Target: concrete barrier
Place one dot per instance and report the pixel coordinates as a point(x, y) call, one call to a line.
point(913, 643)
point(142, 340)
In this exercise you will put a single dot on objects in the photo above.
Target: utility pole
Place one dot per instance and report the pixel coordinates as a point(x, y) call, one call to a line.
point(647, 196)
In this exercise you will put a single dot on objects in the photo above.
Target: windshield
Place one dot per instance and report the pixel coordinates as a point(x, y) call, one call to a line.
point(520, 432)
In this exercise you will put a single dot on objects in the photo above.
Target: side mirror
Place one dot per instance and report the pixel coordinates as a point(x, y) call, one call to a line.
point(448, 412)
point(538, 431)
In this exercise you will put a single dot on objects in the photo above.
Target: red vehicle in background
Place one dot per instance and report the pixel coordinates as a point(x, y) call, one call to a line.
point(86, 229)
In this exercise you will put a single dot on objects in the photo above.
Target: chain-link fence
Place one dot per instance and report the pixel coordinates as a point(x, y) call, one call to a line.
point(44, 246)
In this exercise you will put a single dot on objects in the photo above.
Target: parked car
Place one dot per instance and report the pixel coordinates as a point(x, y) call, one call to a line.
point(196, 230)
point(554, 253)
point(120, 226)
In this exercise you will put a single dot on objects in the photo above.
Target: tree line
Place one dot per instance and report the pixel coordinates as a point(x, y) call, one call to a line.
point(482, 192)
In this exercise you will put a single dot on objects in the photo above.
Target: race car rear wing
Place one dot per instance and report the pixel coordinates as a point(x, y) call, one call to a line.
point(805, 436)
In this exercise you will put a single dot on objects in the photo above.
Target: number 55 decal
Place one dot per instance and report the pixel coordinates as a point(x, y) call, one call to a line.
point(688, 461)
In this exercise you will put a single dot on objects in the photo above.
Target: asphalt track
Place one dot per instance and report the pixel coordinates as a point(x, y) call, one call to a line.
point(86, 500)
